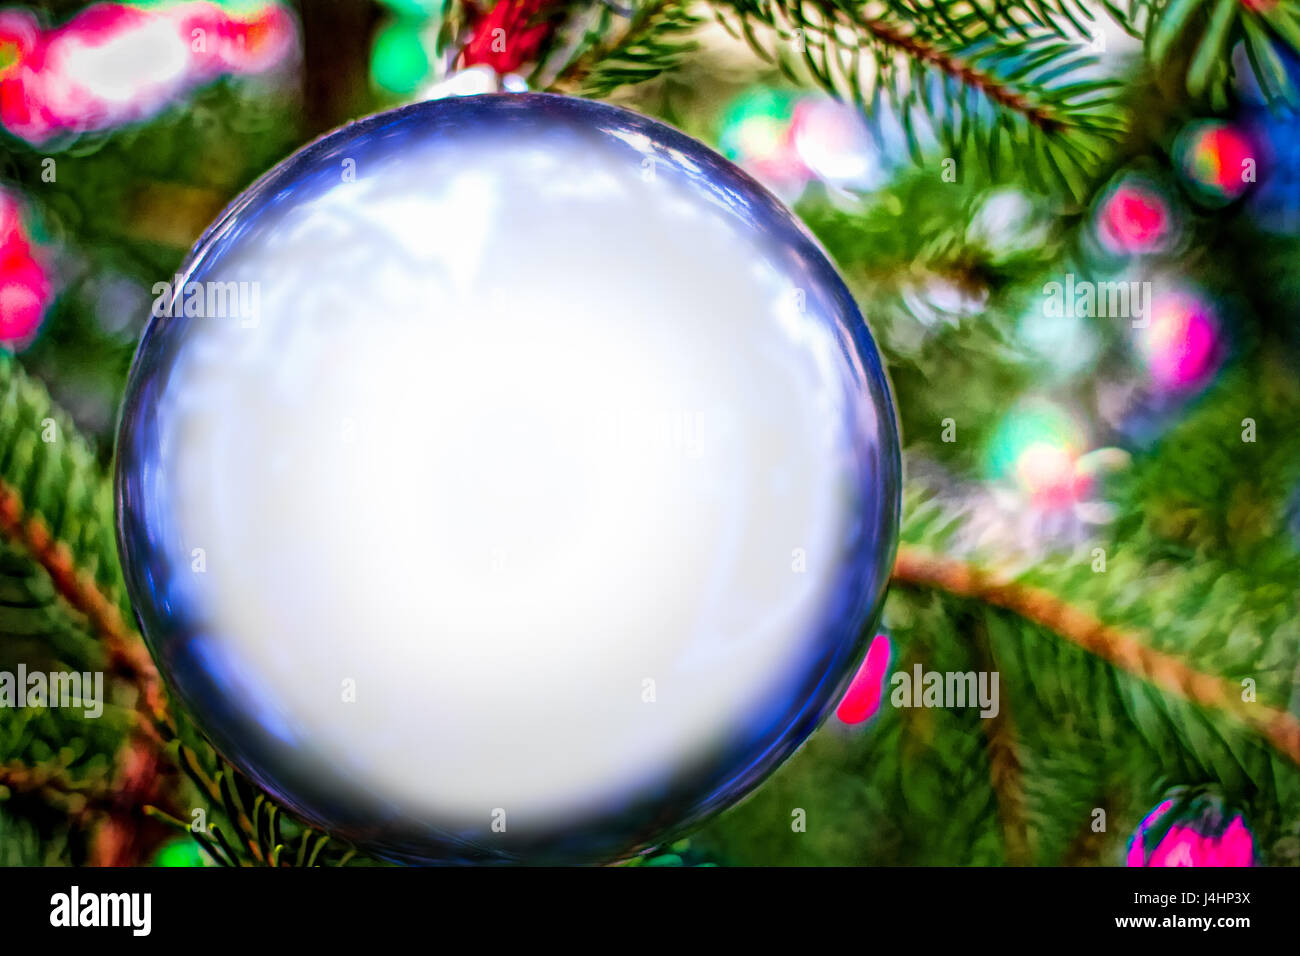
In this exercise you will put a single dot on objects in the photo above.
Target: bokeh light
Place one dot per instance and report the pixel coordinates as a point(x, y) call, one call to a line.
point(757, 134)
point(834, 144)
point(115, 63)
point(1037, 447)
point(1067, 344)
point(26, 285)
point(399, 62)
point(181, 852)
point(1135, 217)
point(1008, 223)
point(1219, 160)
point(1204, 836)
point(862, 700)
point(1180, 346)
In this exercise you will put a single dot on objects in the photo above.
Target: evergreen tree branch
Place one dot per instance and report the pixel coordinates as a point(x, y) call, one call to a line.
point(1029, 96)
point(1088, 843)
point(254, 837)
point(219, 790)
point(949, 63)
point(1065, 18)
point(1122, 649)
point(1197, 38)
point(55, 786)
point(648, 41)
point(144, 777)
point(126, 653)
point(1005, 769)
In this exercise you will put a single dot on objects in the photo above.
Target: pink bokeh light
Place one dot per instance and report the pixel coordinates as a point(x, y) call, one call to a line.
point(113, 63)
point(1135, 219)
point(1180, 345)
point(863, 697)
point(1185, 845)
point(26, 286)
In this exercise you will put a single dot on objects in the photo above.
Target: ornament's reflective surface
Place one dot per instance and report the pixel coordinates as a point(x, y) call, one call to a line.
point(513, 479)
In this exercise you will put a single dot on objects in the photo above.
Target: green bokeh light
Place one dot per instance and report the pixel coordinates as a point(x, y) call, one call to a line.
point(399, 63)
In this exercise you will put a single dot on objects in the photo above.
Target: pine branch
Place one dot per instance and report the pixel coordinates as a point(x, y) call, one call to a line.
point(56, 507)
point(220, 790)
point(1120, 648)
point(54, 785)
point(1029, 96)
point(126, 652)
point(1088, 842)
point(255, 821)
point(1005, 769)
point(1198, 37)
point(91, 801)
point(947, 62)
point(143, 778)
point(1065, 18)
point(627, 47)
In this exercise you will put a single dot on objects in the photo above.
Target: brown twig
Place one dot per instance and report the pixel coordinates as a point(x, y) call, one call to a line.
point(948, 63)
point(1121, 648)
point(917, 48)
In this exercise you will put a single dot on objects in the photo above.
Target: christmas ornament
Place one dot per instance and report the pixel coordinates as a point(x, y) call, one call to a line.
point(1191, 829)
point(507, 477)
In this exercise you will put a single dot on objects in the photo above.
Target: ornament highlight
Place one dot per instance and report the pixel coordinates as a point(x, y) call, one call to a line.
point(521, 483)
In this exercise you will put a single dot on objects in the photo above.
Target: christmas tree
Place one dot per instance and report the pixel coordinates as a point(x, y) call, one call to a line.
point(1071, 227)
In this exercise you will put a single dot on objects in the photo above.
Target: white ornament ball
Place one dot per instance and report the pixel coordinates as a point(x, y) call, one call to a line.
point(507, 478)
